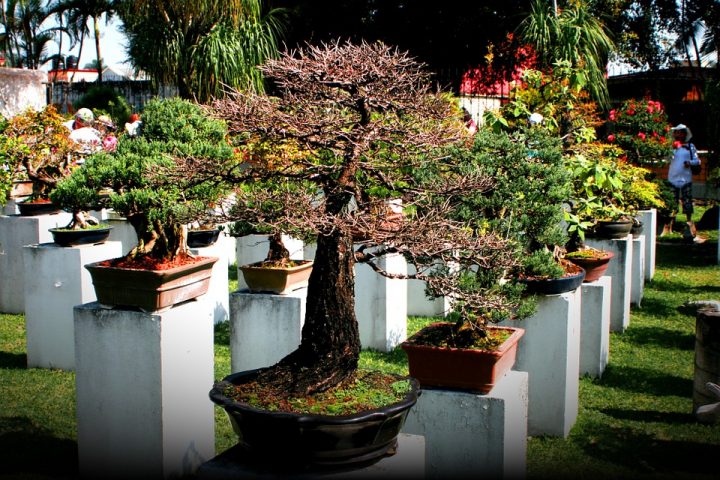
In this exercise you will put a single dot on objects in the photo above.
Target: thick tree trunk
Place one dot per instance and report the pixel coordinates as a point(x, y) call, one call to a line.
point(330, 347)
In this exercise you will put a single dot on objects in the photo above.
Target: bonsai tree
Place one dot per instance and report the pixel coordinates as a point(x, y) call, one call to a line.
point(136, 172)
point(34, 146)
point(353, 128)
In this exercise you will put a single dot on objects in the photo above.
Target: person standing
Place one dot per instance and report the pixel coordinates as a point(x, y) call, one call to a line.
point(680, 174)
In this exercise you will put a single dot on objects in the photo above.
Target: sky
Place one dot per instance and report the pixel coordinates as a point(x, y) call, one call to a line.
point(112, 46)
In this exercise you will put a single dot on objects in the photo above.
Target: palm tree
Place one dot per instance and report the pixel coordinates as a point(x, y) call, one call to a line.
point(574, 35)
point(80, 12)
point(201, 46)
point(24, 39)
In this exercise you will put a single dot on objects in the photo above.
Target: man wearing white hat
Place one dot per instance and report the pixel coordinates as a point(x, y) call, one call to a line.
point(680, 174)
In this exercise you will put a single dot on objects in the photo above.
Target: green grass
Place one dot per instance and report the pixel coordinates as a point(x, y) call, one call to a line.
point(635, 422)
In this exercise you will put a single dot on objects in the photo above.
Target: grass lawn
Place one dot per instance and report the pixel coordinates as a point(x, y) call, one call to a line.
point(635, 422)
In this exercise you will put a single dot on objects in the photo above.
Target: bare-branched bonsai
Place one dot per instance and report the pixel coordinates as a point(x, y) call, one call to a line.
point(351, 130)
point(174, 130)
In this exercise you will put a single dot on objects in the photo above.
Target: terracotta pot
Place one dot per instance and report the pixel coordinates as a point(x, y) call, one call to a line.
point(304, 441)
point(30, 209)
point(612, 230)
point(150, 290)
point(202, 238)
point(83, 236)
point(281, 280)
point(461, 368)
point(594, 267)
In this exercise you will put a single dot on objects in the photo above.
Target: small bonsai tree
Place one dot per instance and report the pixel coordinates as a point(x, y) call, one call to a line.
point(175, 130)
point(34, 145)
point(353, 128)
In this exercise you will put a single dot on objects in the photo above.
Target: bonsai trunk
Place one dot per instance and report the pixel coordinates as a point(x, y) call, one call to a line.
point(157, 240)
point(330, 347)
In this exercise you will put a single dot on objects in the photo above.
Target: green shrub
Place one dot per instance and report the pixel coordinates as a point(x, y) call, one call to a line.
point(105, 100)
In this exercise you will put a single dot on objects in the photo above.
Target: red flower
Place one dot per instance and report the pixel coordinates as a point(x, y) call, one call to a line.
point(612, 115)
point(641, 135)
point(631, 112)
point(662, 139)
point(611, 138)
point(677, 144)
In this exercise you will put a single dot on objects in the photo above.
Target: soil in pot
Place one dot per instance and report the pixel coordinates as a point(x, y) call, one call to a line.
point(68, 237)
point(437, 362)
point(354, 424)
point(594, 262)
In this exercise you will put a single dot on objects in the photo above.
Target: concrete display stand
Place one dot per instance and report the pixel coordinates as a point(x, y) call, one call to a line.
point(122, 232)
point(418, 302)
point(218, 288)
point(550, 353)
point(142, 383)
point(254, 248)
point(620, 270)
point(595, 326)
point(381, 304)
point(649, 219)
point(637, 288)
point(408, 462)
point(55, 282)
point(15, 233)
point(469, 435)
point(264, 327)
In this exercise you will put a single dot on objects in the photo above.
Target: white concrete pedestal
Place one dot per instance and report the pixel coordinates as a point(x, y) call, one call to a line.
point(16, 232)
point(595, 326)
point(418, 303)
point(55, 282)
point(218, 288)
point(381, 304)
point(649, 219)
point(122, 232)
point(254, 248)
point(408, 462)
point(550, 353)
point(620, 270)
point(468, 435)
point(264, 327)
point(142, 383)
point(638, 270)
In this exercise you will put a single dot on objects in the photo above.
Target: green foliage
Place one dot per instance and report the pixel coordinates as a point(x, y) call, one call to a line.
point(102, 99)
point(142, 174)
point(542, 264)
point(642, 129)
point(530, 185)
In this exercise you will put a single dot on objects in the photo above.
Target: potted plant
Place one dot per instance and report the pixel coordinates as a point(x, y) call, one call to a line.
point(594, 261)
point(34, 146)
point(351, 127)
point(641, 129)
point(159, 272)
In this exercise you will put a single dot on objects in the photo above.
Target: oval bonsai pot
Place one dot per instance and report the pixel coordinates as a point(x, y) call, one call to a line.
point(281, 280)
point(202, 238)
point(150, 290)
point(461, 368)
point(30, 209)
point(612, 229)
point(554, 286)
point(84, 236)
point(308, 441)
point(594, 267)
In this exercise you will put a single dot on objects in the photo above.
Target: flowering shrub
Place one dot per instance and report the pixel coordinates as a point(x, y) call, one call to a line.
point(642, 130)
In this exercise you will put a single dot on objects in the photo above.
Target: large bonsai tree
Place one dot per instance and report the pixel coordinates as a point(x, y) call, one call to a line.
point(351, 130)
point(173, 130)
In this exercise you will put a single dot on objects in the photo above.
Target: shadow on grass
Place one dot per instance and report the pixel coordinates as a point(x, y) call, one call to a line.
point(644, 380)
point(27, 450)
point(683, 254)
point(658, 307)
point(660, 337)
point(646, 454)
point(13, 360)
point(650, 416)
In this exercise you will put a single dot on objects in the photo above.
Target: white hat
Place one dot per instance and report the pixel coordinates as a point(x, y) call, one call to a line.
point(536, 118)
point(682, 126)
